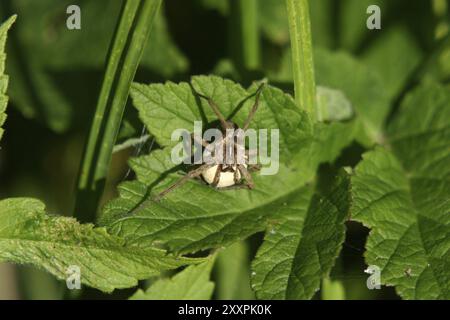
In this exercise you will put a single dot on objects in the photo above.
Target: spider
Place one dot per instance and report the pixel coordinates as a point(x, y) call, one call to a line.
point(217, 173)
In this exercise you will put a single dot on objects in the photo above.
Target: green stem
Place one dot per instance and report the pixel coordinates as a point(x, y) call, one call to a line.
point(302, 55)
point(125, 53)
point(244, 34)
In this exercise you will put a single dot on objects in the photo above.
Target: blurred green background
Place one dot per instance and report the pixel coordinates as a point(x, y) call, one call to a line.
point(56, 73)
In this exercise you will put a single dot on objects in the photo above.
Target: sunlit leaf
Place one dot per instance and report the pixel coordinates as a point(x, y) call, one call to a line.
point(3, 77)
point(190, 284)
point(302, 243)
point(29, 236)
point(403, 195)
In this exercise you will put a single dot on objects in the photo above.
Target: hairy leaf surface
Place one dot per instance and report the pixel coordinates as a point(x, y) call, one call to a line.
point(387, 56)
point(190, 284)
point(403, 195)
point(29, 236)
point(360, 84)
point(195, 216)
point(3, 77)
point(301, 245)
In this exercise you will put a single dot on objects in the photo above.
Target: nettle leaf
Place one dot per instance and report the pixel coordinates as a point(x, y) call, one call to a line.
point(190, 284)
point(359, 83)
point(3, 77)
point(196, 216)
point(403, 195)
point(322, 24)
point(301, 246)
point(175, 106)
point(29, 236)
point(387, 55)
point(352, 21)
point(273, 21)
point(332, 104)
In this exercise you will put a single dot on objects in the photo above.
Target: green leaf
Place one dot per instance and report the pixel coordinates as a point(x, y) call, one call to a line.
point(387, 56)
point(402, 194)
point(274, 21)
point(352, 21)
point(190, 284)
point(48, 61)
point(233, 273)
point(29, 236)
point(322, 24)
point(361, 85)
point(332, 105)
point(3, 77)
point(163, 57)
point(195, 216)
point(175, 106)
point(302, 243)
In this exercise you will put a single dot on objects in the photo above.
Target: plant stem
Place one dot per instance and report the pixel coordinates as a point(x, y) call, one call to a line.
point(125, 53)
point(302, 55)
point(244, 34)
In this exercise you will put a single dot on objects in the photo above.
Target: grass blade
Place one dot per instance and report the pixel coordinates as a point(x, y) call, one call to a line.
point(128, 45)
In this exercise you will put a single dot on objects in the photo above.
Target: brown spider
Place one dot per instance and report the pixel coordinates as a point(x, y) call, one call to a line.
point(216, 172)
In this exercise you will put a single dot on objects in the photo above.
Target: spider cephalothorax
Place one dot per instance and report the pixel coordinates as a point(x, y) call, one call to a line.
point(228, 162)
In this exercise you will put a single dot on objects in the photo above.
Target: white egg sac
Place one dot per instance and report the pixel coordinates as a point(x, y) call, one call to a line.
point(226, 178)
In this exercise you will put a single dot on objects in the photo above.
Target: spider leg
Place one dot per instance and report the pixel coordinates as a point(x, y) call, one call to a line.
point(254, 167)
point(217, 175)
point(199, 141)
point(191, 174)
point(251, 154)
point(254, 108)
point(247, 176)
point(250, 166)
point(215, 108)
point(236, 177)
